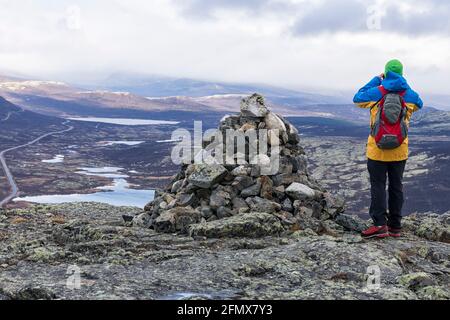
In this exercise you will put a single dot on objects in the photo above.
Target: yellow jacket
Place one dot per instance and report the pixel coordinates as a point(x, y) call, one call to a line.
point(369, 97)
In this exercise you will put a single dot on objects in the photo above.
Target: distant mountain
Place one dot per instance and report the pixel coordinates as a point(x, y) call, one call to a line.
point(124, 95)
point(156, 86)
point(61, 99)
point(168, 96)
point(439, 101)
point(432, 121)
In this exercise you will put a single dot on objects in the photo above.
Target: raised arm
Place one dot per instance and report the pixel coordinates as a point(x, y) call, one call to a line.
point(369, 95)
point(416, 101)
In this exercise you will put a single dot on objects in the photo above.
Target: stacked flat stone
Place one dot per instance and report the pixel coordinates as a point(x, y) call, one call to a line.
point(215, 200)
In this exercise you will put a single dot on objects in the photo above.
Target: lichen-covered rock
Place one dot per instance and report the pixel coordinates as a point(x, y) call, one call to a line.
point(253, 225)
point(416, 281)
point(434, 293)
point(184, 200)
point(205, 176)
point(219, 198)
point(258, 204)
point(241, 171)
point(252, 191)
point(34, 293)
point(429, 226)
point(240, 261)
point(299, 191)
point(254, 106)
point(142, 220)
point(352, 223)
point(176, 219)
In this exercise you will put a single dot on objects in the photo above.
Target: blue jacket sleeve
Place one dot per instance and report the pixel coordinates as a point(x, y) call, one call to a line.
point(419, 102)
point(369, 92)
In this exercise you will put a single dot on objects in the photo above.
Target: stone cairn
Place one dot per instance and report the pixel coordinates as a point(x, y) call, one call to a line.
point(214, 200)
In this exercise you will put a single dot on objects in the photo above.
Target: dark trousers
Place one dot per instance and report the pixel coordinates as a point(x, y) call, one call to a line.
point(379, 172)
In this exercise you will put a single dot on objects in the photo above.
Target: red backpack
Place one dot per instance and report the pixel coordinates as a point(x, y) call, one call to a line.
point(390, 129)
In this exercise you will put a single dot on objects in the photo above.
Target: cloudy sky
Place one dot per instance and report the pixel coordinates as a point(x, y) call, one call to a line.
point(316, 44)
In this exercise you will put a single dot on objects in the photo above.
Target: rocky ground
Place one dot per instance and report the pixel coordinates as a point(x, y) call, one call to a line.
point(40, 245)
point(224, 232)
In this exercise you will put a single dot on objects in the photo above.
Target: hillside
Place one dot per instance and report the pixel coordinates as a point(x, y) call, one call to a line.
point(18, 125)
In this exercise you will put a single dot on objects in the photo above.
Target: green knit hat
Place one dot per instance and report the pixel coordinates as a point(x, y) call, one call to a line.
point(394, 66)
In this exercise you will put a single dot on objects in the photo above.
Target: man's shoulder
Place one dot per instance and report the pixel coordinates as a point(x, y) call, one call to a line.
point(371, 95)
point(412, 96)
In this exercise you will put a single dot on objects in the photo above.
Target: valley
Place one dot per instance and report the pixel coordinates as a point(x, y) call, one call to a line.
point(87, 145)
point(335, 148)
point(119, 128)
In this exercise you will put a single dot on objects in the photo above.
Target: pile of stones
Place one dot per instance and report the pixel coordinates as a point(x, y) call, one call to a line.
point(245, 198)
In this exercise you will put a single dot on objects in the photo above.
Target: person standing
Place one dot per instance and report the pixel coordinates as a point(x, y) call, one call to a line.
point(391, 102)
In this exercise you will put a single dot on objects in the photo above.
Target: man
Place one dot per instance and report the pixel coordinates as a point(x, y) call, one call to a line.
point(391, 102)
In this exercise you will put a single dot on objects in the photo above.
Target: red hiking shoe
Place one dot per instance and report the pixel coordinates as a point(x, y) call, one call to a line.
point(395, 232)
point(376, 232)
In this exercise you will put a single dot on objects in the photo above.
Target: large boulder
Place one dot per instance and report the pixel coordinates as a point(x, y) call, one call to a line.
point(247, 225)
point(254, 106)
point(300, 191)
point(351, 223)
point(273, 122)
point(258, 204)
point(252, 191)
point(176, 219)
point(219, 198)
point(205, 176)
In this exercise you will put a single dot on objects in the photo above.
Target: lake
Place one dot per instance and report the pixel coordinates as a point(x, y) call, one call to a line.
point(126, 143)
point(118, 194)
point(57, 159)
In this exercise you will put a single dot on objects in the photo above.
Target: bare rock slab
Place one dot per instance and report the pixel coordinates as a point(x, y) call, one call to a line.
point(247, 225)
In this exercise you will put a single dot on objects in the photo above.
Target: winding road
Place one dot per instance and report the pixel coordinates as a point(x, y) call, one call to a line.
point(7, 116)
point(9, 176)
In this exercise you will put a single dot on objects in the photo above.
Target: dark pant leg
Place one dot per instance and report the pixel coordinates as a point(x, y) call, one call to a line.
point(378, 175)
point(396, 199)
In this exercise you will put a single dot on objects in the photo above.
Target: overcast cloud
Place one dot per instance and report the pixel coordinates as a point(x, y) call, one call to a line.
point(323, 44)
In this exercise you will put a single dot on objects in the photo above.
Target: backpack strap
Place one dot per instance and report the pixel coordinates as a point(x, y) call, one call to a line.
point(383, 90)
